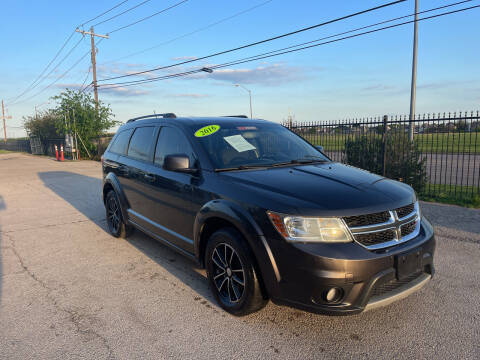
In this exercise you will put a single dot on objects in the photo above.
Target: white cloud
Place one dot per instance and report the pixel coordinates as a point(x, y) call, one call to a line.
point(122, 91)
point(273, 74)
point(378, 87)
point(72, 86)
point(269, 75)
point(184, 58)
point(193, 96)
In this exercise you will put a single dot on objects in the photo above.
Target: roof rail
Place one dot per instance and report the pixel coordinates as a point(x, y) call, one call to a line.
point(237, 116)
point(163, 116)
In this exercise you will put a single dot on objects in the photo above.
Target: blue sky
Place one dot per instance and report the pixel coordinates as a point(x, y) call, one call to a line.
point(364, 76)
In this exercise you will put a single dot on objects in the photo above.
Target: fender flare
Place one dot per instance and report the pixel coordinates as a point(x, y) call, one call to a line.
point(112, 180)
point(244, 222)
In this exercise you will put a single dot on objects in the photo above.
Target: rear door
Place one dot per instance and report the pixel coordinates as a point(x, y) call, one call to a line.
point(134, 177)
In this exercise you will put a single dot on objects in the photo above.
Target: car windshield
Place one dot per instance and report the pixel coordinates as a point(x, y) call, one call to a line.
point(237, 146)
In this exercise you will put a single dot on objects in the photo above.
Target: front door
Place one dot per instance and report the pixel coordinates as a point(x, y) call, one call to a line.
point(174, 212)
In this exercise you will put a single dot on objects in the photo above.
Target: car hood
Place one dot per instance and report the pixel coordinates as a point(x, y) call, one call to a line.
point(326, 188)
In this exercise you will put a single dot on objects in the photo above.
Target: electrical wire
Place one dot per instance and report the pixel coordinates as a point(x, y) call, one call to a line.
point(257, 42)
point(41, 77)
point(123, 12)
point(44, 70)
point(149, 17)
point(263, 56)
point(53, 69)
point(86, 77)
point(190, 33)
point(105, 12)
point(61, 76)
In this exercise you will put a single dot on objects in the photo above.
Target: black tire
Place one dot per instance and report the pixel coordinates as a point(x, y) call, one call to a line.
point(116, 224)
point(238, 268)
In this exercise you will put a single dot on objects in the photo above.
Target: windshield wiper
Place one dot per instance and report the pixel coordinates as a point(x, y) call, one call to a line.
point(299, 162)
point(242, 167)
point(302, 161)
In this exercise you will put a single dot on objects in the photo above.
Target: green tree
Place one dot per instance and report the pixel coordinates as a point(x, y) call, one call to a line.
point(79, 109)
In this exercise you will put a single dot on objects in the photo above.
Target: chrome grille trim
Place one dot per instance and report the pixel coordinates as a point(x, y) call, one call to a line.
point(394, 223)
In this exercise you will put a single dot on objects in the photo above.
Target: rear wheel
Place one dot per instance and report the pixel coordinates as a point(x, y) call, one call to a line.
point(232, 275)
point(115, 222)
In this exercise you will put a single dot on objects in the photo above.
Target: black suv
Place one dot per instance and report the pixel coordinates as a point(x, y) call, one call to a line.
point(267, 214)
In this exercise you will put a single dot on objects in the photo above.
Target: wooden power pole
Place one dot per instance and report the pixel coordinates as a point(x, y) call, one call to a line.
point(4, 124)
point(94, 63)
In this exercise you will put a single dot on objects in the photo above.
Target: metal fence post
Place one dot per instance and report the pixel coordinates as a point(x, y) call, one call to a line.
point(384, 150)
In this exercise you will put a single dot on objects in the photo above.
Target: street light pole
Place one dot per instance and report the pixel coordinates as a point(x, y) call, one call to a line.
point(413, 95)
point(250, 97)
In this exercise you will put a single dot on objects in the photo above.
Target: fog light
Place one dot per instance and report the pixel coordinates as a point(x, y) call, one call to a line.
point(333, 295)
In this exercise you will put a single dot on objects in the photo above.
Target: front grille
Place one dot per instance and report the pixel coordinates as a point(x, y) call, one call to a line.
point(374, 238)
point(369, 219)
point(385, 229)
point(394, 284)
point(409, 228)
point(405, 210)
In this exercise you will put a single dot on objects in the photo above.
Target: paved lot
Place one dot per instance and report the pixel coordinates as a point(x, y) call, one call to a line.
point(68, 290)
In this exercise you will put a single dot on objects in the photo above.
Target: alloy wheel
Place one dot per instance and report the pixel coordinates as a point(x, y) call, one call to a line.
point(228, 273)
point(113, 214)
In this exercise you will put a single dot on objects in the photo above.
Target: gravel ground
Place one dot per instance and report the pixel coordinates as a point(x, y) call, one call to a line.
point(68, 290)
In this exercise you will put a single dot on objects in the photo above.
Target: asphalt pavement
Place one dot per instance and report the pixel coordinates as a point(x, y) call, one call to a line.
point(68, 290)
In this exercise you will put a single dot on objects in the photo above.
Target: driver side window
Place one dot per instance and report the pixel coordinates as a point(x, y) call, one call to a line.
point(172, 141)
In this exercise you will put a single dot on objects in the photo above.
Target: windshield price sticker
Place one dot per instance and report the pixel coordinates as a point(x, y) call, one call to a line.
point(246, 128)
point(239, 143)
point(207, 130)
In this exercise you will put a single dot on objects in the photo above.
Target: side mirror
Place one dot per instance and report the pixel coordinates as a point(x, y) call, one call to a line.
point(178, 163)
point(319, 148)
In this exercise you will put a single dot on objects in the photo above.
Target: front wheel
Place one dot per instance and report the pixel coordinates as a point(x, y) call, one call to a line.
point(232, 275)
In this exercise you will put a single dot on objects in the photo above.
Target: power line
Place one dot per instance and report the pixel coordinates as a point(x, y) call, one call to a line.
point(105, 12)
point(86, 77)
point(148, 17)
point(277, 53)
point(120, 14)
point(61, 76)
point(358, 29)
point(192, 32)
point(45, 69)
point(257, 42)
point(53, 69)
point(41, 77)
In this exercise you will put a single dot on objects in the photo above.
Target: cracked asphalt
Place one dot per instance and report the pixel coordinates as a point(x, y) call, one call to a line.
point(68, 290)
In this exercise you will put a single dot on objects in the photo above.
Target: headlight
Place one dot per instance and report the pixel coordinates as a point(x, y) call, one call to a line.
point(310, 229)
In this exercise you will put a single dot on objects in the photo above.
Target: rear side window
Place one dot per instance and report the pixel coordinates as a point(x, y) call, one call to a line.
point(172, 141)
point(120, 143)
point(141, 142)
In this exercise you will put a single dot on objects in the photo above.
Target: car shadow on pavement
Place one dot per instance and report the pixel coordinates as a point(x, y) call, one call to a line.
point(84, 193)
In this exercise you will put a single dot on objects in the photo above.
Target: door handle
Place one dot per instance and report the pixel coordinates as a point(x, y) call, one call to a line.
point(149, 177)
point(123, 170)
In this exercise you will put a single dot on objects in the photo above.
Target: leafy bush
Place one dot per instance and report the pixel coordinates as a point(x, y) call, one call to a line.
point(74, 112)
point(404, 161)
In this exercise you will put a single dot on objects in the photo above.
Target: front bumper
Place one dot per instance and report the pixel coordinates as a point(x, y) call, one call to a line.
point(366, 279)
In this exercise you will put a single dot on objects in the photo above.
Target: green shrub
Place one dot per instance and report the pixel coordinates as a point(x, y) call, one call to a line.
point(404, 161)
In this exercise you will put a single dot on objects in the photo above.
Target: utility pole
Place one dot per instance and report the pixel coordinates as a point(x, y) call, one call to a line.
point(413, 90)
point(94, 67)
point(4, 124)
